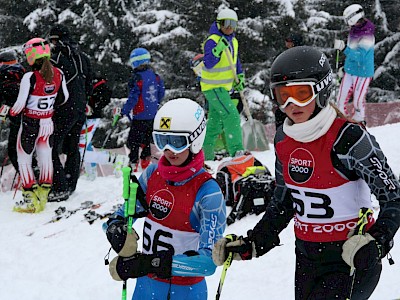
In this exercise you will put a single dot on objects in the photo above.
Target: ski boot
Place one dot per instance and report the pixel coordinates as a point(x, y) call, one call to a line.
point(42, 193)
point(30, 203)
point(135, 167)
point(57, 196)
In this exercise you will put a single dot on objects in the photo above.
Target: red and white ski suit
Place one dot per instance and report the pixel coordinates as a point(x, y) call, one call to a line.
point(36, 99)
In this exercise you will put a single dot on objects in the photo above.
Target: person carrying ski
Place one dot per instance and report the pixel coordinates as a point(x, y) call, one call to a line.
point(359, 62)
point(217, 80)
point(187, 213)
point(146, 90)
point(41, 90)
point(11, 72)
point(325, 168)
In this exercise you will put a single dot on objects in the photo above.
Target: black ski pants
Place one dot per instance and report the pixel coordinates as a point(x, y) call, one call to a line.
point(140, 137)
point(66, 141)
point(15, 123)
point(321, 273)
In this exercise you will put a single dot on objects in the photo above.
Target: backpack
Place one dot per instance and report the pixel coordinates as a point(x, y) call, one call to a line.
point(254, 194)
point(230, 171)
point(247, 186)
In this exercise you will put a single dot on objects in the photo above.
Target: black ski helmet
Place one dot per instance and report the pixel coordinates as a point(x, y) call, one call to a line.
point(304, 63)
point(8, 56)
point(59, 32)
point(295, 38)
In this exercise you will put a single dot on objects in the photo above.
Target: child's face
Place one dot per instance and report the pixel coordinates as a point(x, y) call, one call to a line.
point(176, 159)
point(300, 114)
point(227, 30)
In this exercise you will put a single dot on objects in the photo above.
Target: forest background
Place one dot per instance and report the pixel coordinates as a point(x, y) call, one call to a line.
point(173, 31)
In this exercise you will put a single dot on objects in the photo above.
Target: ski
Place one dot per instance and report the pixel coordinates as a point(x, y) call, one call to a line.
point(62, 213)
point(91, 216)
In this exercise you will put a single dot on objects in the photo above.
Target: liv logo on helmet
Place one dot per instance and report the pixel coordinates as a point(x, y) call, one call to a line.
point(325, 82)
point(198, 130)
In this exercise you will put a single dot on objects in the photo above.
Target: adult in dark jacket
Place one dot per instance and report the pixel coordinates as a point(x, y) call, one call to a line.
point(11, 72)
point(69, 119)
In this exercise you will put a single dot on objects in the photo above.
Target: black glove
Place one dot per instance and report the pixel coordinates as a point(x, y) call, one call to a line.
point(365, 251)
point(263, 241)
point(138, 265)
point(122, 242)
point(362, 252)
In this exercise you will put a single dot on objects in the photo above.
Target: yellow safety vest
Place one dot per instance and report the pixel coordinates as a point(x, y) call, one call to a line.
point(221, 74)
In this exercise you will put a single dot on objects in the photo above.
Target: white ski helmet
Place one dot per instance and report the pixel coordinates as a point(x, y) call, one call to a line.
point(353, 13)
point(227, 14)
point(180, 124)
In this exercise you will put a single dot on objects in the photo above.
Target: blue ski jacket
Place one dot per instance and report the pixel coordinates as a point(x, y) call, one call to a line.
point(146, 89)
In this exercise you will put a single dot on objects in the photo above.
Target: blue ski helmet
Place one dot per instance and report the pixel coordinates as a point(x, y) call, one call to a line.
point(139, 56)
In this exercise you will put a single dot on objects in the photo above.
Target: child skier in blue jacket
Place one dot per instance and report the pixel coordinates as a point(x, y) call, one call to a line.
point(187, 213)
point(146, 89)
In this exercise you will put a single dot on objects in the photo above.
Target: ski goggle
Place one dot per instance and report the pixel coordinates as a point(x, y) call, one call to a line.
point(299, 93)
point(228, 23)
point(176, 142)
point(43, 44)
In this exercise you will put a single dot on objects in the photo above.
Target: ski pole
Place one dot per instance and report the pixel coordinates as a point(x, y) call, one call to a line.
point(126, 175)
point(113, 124)
point(227, 264)
point(360, 229)
point(133, 187)
point(86, 143)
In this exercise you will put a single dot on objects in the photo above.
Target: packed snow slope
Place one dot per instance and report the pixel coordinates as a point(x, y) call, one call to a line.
point(65, 260)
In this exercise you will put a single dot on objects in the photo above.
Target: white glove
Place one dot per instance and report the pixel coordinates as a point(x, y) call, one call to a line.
point(353, 245)
point(244, 250)
point(88, 110)
point(17, 108)
point(339, 45)
point(3, 112)
point(46, 127)
point(340, 72)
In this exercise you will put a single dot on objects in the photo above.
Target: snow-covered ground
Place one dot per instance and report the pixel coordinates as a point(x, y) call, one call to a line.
point(64, 260)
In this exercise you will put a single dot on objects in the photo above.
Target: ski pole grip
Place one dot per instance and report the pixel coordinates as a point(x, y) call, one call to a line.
point(126, 175)
point(132, 204)
point(117, 115)
point(362, 223)
point(132, 198)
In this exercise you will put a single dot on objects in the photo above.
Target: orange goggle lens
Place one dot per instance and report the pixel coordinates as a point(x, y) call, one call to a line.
point(300, 93)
